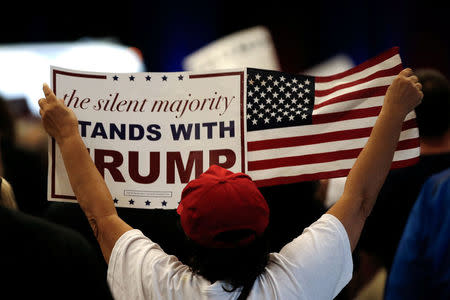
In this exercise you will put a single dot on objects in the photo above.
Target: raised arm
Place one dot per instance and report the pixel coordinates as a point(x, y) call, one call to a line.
point(372, 166)
point(88, 185)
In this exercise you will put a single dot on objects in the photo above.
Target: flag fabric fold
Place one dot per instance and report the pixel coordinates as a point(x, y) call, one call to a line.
point(302, 128)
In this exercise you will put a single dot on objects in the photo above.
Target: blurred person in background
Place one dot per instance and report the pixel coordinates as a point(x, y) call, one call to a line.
point(421, 266)
point(25, 169)
point(7, 198)
point(40, 259)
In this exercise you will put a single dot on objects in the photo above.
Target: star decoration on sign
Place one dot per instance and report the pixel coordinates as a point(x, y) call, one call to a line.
point(180, 77)
point(164, 203)
point(131, 201)
point(147, 203)
point(164, 78)
point(148, 78)
point(116, 201)
point(131, 78)
point(115, 78)
point(278, 99)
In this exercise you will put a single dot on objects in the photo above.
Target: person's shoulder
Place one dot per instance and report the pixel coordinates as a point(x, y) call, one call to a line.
point(37, 230)
point(438, 184)
point(442, 177)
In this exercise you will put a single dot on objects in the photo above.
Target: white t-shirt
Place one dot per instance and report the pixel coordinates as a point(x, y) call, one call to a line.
point(315, 265)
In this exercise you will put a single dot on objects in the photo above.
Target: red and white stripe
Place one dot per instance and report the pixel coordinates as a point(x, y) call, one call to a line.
point(345, 110)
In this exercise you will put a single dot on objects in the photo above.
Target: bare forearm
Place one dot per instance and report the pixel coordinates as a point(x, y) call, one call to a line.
point(92, 194)
point(367, 176)
point(373, 164)
point(87, 184)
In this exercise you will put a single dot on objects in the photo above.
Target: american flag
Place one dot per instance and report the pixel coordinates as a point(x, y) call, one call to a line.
point(302, 128)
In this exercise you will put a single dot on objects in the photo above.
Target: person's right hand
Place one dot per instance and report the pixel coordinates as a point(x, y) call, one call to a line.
point(404, 94)
point(59, 121)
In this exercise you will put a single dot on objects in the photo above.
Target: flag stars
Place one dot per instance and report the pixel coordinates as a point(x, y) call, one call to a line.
point(307, 82)
point(276, 100)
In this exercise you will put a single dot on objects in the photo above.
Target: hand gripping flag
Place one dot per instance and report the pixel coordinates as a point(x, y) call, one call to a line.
point(302, 128)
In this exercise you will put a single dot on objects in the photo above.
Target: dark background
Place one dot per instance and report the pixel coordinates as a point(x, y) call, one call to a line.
point(305, 33)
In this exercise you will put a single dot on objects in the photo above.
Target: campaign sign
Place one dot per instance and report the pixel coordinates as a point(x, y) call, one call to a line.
point(149, 134)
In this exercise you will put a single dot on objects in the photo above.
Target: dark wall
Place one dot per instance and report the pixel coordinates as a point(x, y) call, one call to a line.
point(304, 34)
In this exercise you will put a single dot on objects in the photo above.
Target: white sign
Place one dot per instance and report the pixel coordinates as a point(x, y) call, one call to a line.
point(251, 47)
point(151, 133)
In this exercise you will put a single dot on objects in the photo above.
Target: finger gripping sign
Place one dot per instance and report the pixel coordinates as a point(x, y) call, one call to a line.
point(149, 134)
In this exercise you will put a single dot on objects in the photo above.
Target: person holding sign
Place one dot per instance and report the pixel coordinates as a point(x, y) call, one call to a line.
point(225, 216)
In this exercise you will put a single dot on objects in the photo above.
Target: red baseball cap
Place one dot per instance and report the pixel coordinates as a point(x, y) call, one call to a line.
point(221, 201)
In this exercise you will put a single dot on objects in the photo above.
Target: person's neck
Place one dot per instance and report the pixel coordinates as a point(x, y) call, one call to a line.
point(435, 145)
